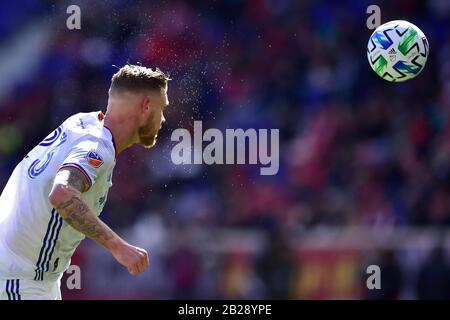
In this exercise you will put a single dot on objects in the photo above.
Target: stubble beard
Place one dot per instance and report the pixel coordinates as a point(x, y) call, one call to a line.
point(146, 138)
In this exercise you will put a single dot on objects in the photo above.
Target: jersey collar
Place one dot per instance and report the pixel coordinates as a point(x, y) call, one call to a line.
point(101, 117)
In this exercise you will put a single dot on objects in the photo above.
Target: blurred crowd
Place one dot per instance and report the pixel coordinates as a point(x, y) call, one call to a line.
point(354, 149)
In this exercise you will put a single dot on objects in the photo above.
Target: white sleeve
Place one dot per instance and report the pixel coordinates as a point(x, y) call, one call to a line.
point(90, 157)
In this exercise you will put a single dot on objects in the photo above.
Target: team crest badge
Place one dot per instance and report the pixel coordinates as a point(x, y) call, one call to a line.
point(94, 159)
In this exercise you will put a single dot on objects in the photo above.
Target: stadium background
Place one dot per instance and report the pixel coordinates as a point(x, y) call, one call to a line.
point(364, 164)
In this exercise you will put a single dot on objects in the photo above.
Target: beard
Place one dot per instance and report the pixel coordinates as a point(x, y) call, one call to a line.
point(147, 138)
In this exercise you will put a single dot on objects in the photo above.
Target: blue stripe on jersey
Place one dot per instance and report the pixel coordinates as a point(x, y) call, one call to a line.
point(49, 244)
point(59, 218)
point(12, 289)
point(17, 290)
point(39, 275)
point(11, 282)
point(7, 290)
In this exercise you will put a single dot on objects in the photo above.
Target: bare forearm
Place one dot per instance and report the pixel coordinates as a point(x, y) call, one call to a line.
point(78, 215)
point(65, 196)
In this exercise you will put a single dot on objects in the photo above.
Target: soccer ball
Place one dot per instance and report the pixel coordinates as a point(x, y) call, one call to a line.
point(397, 51)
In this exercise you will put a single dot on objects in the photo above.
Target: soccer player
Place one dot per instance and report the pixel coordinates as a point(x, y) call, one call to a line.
point(56, 193)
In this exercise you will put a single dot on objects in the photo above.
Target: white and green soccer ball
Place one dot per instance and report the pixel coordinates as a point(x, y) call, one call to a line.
point(397, 51)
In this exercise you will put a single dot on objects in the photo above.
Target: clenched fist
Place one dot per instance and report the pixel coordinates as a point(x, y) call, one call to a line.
point(133, 258)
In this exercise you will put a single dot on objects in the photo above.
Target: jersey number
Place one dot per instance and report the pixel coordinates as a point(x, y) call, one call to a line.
point(38, 166)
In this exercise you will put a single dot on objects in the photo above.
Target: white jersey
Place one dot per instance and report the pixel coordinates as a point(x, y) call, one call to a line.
point(35, 242)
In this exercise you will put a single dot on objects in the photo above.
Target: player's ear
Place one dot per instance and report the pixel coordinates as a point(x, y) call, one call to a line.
point(145, 106)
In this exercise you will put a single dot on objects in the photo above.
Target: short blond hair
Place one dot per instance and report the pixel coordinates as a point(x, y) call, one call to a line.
point(138, 78)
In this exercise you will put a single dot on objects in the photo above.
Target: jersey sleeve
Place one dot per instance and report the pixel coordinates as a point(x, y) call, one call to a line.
point(90, 156)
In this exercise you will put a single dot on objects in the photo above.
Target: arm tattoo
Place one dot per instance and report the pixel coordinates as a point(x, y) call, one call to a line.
point(71, 176)
point(77, 180)
point(77, 214)
point(80, 217)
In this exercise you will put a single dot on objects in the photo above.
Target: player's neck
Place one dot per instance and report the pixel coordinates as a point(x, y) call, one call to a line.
point(120, 130)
